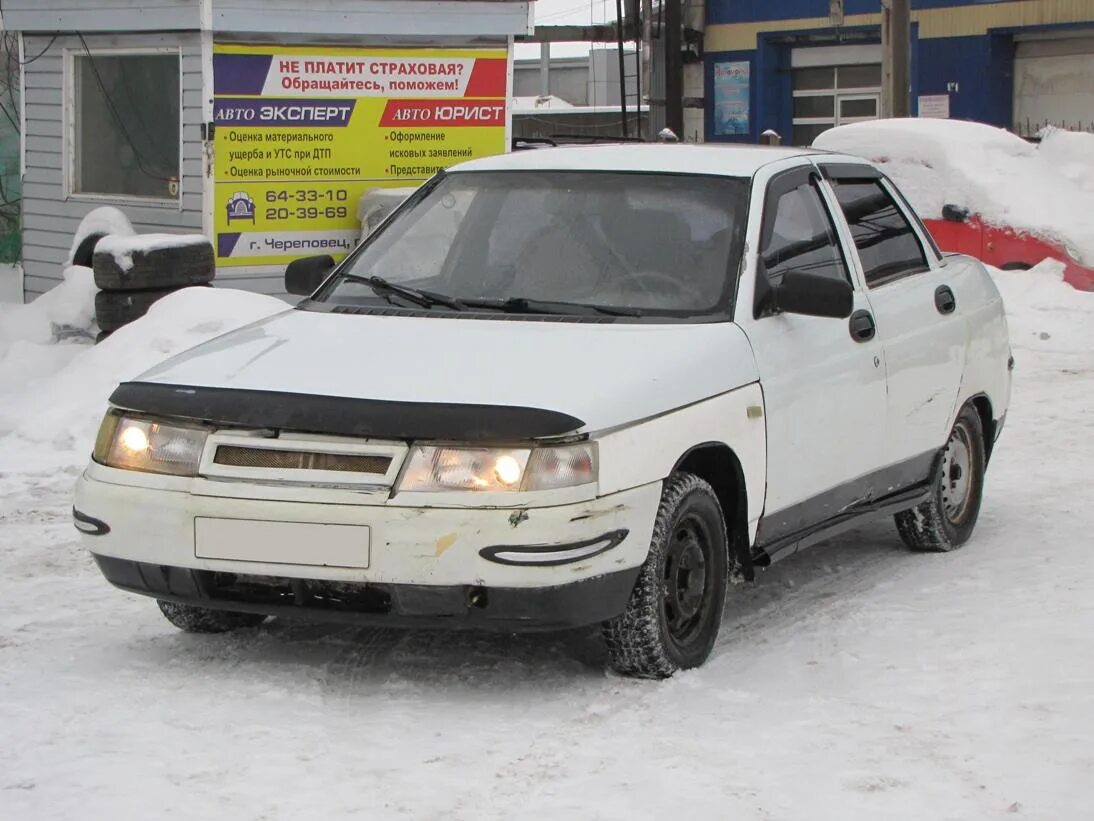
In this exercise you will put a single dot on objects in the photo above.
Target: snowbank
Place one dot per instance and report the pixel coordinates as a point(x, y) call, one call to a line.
point(1072, 153)
point(52, 396)
point(66, 310)
point(123, 247)
point(105, 220)
point(1048, 191)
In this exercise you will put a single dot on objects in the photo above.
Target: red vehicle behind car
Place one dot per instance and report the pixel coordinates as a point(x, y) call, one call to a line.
point(1002, 246)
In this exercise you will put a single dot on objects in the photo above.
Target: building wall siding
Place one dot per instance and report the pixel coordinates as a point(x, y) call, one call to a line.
point(413, 18)
point(102, 15)
point(49, 218)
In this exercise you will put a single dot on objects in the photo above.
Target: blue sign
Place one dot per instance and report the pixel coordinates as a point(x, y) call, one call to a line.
point(731, 93)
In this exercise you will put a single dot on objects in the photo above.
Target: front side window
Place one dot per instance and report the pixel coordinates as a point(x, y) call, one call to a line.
point(886, 242)
point(126, 125)
point(632, 243)
point(798, 235)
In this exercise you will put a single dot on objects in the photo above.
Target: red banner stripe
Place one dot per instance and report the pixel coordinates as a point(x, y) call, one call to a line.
point(487, 79)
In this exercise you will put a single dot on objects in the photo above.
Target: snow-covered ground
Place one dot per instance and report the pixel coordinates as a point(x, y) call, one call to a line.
point(854, 681)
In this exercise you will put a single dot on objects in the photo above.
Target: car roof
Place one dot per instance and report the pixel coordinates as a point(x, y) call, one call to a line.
point(666, 158)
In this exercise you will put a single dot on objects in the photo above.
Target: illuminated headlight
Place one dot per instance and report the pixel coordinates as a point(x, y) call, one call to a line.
point(433, 469)
point(134, 443)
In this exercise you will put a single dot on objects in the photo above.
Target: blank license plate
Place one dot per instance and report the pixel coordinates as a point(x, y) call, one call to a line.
point(247, 540)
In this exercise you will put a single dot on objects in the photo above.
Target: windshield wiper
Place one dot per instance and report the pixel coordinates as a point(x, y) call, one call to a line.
point(422, 298)
point(523, 305)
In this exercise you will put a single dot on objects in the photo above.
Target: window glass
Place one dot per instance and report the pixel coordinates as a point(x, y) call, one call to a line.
point(813, 79)
point(127, 125)
point(802, 237)
point(658, 243)
point(858, 106)
point(864, 76)
point(821, 105)
point(886, 242)
point(805, 133)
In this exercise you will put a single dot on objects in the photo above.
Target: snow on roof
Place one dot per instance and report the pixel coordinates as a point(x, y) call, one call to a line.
point(1046, 190)
point(722, 160)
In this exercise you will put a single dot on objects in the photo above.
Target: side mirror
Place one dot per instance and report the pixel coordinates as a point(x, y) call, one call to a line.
point(304, 275)
point(813, 295)
point(954, 213)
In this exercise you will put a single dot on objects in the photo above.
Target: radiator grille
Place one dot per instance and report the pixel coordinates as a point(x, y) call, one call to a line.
point(244, 457)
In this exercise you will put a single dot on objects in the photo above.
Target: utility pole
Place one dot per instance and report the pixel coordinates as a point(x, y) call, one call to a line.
point(896, 38)
point(674, 67)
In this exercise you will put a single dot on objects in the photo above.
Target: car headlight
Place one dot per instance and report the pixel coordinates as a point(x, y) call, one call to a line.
point(135, 443)
point(433, 469)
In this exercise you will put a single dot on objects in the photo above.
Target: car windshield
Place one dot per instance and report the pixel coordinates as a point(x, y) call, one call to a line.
point(555, 242)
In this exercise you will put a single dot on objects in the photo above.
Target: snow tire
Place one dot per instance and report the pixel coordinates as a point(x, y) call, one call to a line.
point(114, 309)
point(945, 522)
point(191, 619)
point(670, 623)
point(85, 251)
point(174, 267)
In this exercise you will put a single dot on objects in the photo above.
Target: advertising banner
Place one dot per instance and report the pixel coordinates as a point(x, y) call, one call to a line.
point(731, 93)
point(302, 132)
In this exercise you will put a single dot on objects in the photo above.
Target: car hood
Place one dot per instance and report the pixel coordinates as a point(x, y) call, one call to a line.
point(605, 374)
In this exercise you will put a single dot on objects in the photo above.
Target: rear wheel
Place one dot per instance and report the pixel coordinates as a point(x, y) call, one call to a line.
point(946, 520)
point(193, 619)
point(675, 609)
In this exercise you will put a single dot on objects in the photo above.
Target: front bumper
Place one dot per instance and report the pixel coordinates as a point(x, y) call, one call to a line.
point(150, 522)
point(512, 609)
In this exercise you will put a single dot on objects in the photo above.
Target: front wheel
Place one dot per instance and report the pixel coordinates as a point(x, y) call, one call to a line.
point(675, 609)
point(946, 520)
point(193, 619)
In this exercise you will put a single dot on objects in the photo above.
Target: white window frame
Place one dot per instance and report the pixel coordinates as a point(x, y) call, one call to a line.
point(837, 93)
point(68, 142)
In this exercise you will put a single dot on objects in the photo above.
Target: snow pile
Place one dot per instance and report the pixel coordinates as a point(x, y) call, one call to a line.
point(65, 311)
point(54, 395)
point(123, 247)
point(1072, 153)
point(105, 220)
point(985, 169)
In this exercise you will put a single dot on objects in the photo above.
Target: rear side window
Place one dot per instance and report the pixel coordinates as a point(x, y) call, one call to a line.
point(886, 241)
point(798, 235)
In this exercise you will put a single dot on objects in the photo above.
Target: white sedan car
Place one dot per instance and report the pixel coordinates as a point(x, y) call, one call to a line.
point(561, 388)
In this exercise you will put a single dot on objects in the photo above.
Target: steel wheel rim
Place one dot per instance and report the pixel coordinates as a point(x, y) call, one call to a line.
point(686, 580)
point(957, 475)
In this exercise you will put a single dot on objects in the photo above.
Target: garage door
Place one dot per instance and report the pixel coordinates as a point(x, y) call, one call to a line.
point(1054, 84)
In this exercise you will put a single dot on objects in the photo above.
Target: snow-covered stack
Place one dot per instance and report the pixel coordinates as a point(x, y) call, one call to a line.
point(132, 271)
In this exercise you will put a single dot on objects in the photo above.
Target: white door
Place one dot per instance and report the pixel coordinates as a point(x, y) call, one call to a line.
point(824, 389)
point(919, 317)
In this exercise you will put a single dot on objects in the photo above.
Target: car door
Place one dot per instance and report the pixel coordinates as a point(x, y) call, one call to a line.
point(823, 379)
point(916, 298)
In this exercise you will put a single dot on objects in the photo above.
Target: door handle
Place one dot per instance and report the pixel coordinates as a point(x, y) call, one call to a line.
point(862, 326)
point(944, 300)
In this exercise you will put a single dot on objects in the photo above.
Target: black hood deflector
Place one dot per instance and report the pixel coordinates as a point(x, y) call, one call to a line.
point(343, 416)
